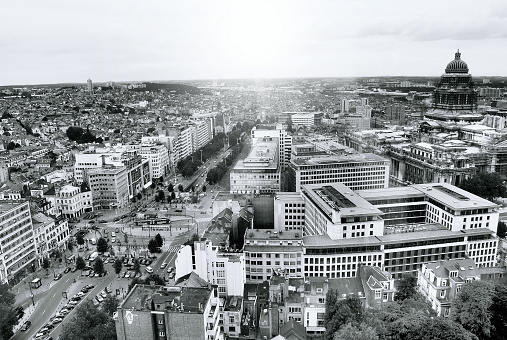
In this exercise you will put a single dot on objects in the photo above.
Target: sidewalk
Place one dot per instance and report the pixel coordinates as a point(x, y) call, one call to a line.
point(28, 314)
point(22, 289)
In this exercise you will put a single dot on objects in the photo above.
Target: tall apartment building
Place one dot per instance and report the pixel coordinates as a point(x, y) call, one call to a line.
point(275, 131)
point(260, 171)
point(159, 159)
point(88, 161)
point(162, 312)
point(17, 244)
point(71, 202)
point(357, 171)
point(440, 281)
point(139, 173)
point(344, 105)
point(109, 186)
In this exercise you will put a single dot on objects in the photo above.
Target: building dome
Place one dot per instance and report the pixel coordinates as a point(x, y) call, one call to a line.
point(457, 65)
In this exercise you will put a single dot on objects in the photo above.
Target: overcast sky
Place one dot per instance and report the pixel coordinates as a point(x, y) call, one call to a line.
point(54, 41)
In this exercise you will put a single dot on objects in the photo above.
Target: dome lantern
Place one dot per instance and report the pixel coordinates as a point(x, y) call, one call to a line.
point(457, 65)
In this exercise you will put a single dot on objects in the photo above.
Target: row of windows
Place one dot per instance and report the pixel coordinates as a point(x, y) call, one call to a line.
point(343, 259)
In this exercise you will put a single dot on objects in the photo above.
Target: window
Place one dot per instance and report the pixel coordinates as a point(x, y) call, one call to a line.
point(378, 294)
point(458, 288)
point(231, 319)
point(232, 329)
point(161, 333)
point(442, 293)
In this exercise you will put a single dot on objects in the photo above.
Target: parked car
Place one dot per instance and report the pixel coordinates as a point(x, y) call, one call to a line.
point(170, 270)
point(26, 325)
point(58, 276)
point(149, 270)
point(171, 276)
point(66, 270)
point(99, 298)
point(102, 221)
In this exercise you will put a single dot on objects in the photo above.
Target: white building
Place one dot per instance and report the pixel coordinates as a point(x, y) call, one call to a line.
point(221, 267)
point(275, 131)
point(50, 235)
point(339, 212)
point(71, 202)
point(357, 171)
point(259, 172)
point(289, 211)
point(17, 244)
point(306, 119)
point(159, 159)
point(109, 186)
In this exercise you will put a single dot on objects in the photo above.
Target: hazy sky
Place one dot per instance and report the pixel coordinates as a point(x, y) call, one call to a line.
point(54, 41)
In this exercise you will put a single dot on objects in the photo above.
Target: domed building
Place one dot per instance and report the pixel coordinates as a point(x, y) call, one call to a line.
point(455, 98)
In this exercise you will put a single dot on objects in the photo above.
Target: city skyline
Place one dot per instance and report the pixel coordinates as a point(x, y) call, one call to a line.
point(58, 42)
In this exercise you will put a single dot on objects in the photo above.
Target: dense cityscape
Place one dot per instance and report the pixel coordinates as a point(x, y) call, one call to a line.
point(304, 208)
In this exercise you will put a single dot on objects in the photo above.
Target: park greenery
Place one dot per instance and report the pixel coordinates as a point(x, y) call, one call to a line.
point(8, 315)
point(189, 165)
point(80, 136)
point(486, 185)
point(89, 323)
point(478, 313)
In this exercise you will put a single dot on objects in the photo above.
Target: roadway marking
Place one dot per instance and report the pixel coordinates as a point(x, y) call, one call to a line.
point(67, 280)
point(54, 294)
point(44, 311)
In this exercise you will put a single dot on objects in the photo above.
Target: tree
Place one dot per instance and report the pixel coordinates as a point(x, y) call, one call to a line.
point(118, 265)
point(8, 316)
point(406, 287)
point(180, 187)
point(498, 315)
point(98, 266)
point(170, 188)
point(173, 195)
point(204, 188)
point(160, 240)
point(342, 312)
point(439, 328)
point(102, 245)
point(80, 263)
point(89, 323)
point(110, 305)
point(139, 196)
point(70, 245)
point(349, 332)
point(161, 195)
point(485, 185)
point(155, 278)
point(501, 230)
point(80, 239)
point(471, 308)
point(45, 264)
point(137, 266)
point(152, 246)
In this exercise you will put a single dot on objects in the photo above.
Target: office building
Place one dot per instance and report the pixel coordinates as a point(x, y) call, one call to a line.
point(267, 251)
point(306, 119)
point(161, 312)
point(289, 212)
point(109, 186)
point(260, 171)
point(357, 171)
point(344, 105)
point(275, 131)
point(17, 244)
point(89, 86)
point(159, 159)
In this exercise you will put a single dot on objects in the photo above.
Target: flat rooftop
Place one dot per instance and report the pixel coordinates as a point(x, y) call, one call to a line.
point(191, 298)
point(454, 197)
point(339, 197)
point(340, 159)
point(264, 155)
point(390, 193)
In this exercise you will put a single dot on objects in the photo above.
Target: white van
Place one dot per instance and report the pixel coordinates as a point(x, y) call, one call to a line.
point(149, 270)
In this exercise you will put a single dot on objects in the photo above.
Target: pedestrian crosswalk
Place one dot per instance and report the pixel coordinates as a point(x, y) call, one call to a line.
point(173, 249)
